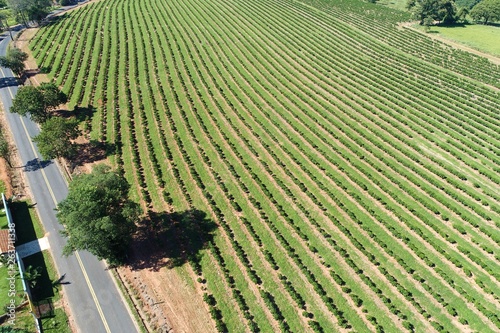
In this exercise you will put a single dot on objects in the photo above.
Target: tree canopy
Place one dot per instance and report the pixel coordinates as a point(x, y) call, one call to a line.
point(52, 95)
point(486, 11)
point(27, 11)
point(98, 215)
point(55, 138)
point(37, 101)
point(438, 10)
point(14, 59)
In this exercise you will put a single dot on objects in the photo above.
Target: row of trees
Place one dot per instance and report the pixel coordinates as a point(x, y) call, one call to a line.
point(445, 11)
point(97, 214)
point(55, 138)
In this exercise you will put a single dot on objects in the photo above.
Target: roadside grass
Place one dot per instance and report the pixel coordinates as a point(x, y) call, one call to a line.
point(48, 288)
point(24, 320)
point(484, 38)
point(45, 287)
point(3, 220)
point(3, 188)
point(58, 323)
point(48, 285)
point(4, 288)
point(28, 228)
point(128, 298)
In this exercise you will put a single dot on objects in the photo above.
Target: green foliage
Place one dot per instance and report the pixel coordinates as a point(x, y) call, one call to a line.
point(37, 101)
point(27, 11)
point(29, 101)
point(468, 4)
point(31, 275)
point(55, 138)
point(98, 215)
point(486, 11)
point(296, 149)
point(5, 147)
point(52, 95)
point(11, 329)
point(436, 10)
point(14, 59)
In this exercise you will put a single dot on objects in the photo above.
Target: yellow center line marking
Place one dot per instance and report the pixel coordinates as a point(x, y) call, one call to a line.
point(92, 292)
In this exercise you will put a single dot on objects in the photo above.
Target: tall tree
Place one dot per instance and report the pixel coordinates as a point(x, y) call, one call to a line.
point(4, 19)
point(37, 101)
point(14, 59)
point(55, 138)
point(98, 215)
point(29, 101)
point(27, 11)
point(437, 10)
point(486, 11)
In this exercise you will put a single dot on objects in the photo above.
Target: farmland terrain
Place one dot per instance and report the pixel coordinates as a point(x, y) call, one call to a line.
point(303, 165)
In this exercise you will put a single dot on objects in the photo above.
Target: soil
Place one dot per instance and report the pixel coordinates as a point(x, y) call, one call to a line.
point(11, 177)
point(164, 299)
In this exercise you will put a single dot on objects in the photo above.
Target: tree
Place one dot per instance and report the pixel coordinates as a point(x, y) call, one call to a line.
point(486, 11)
point(29, 101)
point(98, 215)
point(4, 20)
point(37, 101)
point(52, 95)
point(14, 59)
point(31, 275)
point(55, 138)
point(27, 11)
point(5, 148)
point(437, 10)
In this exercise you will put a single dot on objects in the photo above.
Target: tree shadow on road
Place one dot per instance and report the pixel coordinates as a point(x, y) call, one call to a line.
point(35, 164)
point(171, 239)
point(8, 82)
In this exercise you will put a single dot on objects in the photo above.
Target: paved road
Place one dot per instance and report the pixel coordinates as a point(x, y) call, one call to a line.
point(93, 297)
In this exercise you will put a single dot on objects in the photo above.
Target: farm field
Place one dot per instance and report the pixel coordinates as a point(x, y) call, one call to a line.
point(349, 166)
point(468, 35)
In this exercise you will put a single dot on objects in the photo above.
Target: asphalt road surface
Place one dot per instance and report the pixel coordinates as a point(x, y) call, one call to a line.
point(94, 300)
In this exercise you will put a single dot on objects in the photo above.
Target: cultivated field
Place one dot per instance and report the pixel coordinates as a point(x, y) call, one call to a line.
point(351, 165)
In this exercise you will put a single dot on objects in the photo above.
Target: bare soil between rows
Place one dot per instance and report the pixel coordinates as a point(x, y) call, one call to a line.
point(163, 297)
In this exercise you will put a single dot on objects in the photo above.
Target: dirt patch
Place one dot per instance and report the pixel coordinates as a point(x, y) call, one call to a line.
point(166, 300)
point(12, 177)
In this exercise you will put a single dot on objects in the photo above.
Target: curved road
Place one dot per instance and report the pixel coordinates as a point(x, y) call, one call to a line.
point(94, 300)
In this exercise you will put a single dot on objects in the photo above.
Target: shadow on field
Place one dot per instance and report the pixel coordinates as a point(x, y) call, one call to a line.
point(93, 151)
point(81, 114)
point(53, 19)
point(171, 239)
